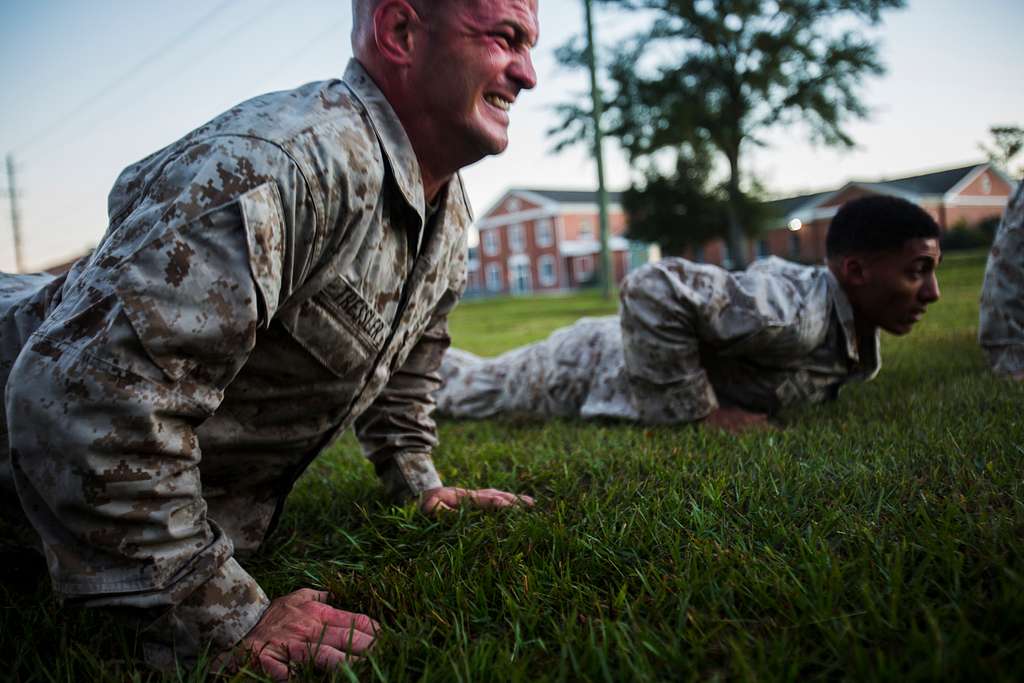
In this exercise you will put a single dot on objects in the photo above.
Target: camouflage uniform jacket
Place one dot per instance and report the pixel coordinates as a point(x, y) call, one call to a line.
point(265, 282)
point(1001, 324)
point(688, 336)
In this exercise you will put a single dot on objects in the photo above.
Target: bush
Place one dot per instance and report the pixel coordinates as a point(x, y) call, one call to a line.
point(961, 236)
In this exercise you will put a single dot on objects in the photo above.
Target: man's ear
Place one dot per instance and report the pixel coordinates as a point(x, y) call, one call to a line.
point(854, 270)
point(394, 25)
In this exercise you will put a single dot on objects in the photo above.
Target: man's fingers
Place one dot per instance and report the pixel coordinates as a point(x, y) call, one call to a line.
point(493, 498)
point(340, 618)
point(307, 595)
point(348, 640)
point(273, 667)
point(323, 656)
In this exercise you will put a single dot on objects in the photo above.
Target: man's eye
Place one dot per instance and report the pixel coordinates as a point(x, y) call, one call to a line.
point(503, 39)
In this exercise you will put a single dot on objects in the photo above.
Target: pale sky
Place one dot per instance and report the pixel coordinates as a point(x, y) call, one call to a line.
point(92, 86)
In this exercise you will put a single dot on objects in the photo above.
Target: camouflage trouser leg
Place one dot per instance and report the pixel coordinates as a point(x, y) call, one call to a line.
point(550, 378)
point(24, 303)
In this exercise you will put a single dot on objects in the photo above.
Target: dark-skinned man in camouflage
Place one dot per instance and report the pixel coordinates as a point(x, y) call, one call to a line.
point(276, 276)
point(696, 342)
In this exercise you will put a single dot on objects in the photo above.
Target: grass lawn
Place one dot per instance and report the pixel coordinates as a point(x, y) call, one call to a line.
point(877, 537)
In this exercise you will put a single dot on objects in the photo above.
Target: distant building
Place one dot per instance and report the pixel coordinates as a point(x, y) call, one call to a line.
point(537, 240)
point(956, 196)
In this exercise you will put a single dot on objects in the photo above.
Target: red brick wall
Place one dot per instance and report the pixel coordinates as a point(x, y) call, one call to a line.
point(574, 221)
point(971, 214)
point(997, 186)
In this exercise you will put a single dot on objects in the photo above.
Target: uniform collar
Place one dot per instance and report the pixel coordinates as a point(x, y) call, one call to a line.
point(392, 136)
point(866, 355)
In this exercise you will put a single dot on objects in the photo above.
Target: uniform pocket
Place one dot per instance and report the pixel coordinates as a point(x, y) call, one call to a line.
point(196, 293)
point(339, 328)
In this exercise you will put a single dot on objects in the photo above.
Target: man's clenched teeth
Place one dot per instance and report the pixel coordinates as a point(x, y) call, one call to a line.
point(498, 101)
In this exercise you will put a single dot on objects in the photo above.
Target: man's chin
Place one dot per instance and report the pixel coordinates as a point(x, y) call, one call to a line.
point(898, 329)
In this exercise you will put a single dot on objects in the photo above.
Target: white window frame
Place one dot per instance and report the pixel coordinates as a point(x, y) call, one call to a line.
point(586, 229)
point(580, 273)
point(520, 264)
point(517, 238)
point(544, 232)
point(489, 240)
point(494, 278)
point(547, 281)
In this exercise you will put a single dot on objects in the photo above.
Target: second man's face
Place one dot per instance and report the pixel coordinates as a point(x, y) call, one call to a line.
point(477, 62)
point(902, 284)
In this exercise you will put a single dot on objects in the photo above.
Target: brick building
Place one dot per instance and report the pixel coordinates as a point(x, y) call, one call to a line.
point(536, 240)
point(954, 197)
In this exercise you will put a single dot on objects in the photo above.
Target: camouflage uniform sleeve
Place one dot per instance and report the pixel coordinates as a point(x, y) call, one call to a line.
point(1001, 322)
point(398, 431)
point(105, 400)
point(669, 311)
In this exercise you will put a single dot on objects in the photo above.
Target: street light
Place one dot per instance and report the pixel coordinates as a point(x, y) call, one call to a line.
point(795, 225)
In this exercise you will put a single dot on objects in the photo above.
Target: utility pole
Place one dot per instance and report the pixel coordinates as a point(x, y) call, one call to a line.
point(608, 273)
point(12, 192)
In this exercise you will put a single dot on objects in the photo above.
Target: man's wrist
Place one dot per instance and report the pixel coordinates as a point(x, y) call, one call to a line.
point(217, 615)
point(407, 475)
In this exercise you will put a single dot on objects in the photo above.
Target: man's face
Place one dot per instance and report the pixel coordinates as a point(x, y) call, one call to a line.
point(898, 285)
point(474, 62)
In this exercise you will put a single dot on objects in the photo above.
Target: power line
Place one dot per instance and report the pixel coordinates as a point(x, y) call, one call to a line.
point(292, 56)
point(12, 191)
point(221, 43)
point(130, 73)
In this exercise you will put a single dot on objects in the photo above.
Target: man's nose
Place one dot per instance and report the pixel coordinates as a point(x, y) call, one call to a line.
point(930, 292)
point(522, 71)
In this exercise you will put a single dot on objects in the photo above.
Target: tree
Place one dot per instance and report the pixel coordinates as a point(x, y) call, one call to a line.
point(1007, 142)
point(709, 77)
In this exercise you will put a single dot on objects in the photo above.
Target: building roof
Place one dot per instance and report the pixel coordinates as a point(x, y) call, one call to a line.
point(568, 196)
point(936, 182)
point(784, 207)
point(912, 187)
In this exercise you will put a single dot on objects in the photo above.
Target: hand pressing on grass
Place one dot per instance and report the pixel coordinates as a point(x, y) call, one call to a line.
point(737, 420)
point(450, 497)
point(301, 627)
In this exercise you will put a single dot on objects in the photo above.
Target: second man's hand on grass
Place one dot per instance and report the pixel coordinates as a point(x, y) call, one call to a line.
point(447, 498)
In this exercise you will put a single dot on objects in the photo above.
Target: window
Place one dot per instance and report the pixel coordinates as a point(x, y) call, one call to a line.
point(546, 271)
point(762, 249)
point(986, 184)
point(493, 277)
point(490, 241)
point(584, 268)
point(513, 204)
point(519, 274)
point(698, 254)
point(794, 244)
point(516, 239)
point(586, 229)
point(543, 233)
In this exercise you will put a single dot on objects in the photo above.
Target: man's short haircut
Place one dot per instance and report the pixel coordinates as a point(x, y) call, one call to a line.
point(877, 223)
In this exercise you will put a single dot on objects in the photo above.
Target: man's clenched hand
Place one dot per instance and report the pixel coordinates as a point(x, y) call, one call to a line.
point(450, 497)
point(301, 627)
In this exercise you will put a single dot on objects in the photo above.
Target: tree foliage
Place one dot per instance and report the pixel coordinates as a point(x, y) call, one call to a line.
point(1007, 142)
point(711, 76)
